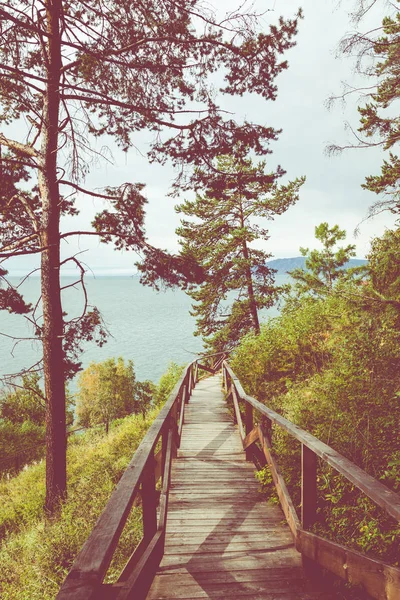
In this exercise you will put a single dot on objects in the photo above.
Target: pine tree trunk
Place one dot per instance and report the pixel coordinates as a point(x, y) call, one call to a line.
point(249, 279)
point(250, 291)
point(52, 335)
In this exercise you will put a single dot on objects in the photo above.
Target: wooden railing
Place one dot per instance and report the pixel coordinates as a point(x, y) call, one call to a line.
point(147, 467)
point(210, 363)
point(380, 580)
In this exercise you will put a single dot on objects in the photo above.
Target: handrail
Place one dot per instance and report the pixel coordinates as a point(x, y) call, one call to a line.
point(84, 580)
point(374, 489)
point(379, 579)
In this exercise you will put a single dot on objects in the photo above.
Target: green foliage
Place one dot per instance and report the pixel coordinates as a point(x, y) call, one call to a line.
point(377, 119)
point(323, 267)
point(36, 554)
point(220, 237)
point(167, 383)
point(331, 364)
point(109, 390)
point(24, 403)
point(22, 423)
point(20, 444)
point(384, 266)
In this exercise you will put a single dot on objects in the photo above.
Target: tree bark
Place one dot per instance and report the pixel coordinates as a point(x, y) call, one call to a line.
point(249, 279)
point(250, 291)
point(52, 334)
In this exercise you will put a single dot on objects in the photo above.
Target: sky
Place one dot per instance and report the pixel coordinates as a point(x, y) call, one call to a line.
point(332, 191)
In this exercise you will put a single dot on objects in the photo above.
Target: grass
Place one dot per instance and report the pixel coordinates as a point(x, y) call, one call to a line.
point(36, 553)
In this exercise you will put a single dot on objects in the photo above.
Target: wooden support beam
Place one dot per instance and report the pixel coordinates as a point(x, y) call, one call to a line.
point(182, 414)
point(162, 523)
point(149, 500)
point(281, 489)
point(249, 423)
point(381, 581)
point(237, 413)
point(250, 438)
point(139, 582)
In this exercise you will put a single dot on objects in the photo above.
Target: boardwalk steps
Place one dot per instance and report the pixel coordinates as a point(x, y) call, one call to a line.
point(207, 532)
point(222, 539)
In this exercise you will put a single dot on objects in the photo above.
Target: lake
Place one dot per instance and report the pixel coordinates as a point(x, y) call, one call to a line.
point(151, 328)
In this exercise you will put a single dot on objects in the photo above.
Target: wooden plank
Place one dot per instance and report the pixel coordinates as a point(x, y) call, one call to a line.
point(182, 413)
point(162, 521)
point(237, 413)
point(139, 582)
point(250, 438)
point(273, 573)
point(379, 493)
point(280, 485)
point(379, 580)
point(149, 500)
point(249, 423)
point(209, 562)
point(187, 586)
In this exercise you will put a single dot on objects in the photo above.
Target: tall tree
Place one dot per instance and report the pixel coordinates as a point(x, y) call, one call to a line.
point(378, 59)
point(221, 239)
point(74, 71)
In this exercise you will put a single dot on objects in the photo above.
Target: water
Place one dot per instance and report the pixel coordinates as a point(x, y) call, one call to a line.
point(151, 328)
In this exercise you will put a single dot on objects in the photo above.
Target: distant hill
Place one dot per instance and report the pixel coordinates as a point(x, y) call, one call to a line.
point(283, 265)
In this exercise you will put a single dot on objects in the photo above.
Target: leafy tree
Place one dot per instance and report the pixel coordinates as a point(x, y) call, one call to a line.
point(323, 267)
point(109, 390)
point(220, 240)
point(331, 364)
point(384, 267)
point(72, 72)
point(167, 382)
point(25, 403)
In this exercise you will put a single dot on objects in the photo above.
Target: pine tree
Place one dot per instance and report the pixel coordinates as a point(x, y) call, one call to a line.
point(238, 283)
point(71, 72)
point(323, 267)
point(377, 55)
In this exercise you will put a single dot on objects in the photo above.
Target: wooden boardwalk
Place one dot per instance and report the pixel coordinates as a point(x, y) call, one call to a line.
point(222, 539)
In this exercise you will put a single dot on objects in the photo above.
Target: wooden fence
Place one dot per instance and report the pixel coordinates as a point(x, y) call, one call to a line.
point(146, 469)
point(380, 580)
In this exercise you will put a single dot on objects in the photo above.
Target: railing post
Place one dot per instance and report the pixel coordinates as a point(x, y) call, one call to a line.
point(186, 392)
point(149, 500)
point(174, 426)
point(308, 487)
point(249, 424)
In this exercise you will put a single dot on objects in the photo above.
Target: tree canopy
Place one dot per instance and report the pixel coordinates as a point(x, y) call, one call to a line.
point(323, 267)
point(224, 224)
point(73, 72)
point(377, 58)
point(109, 390)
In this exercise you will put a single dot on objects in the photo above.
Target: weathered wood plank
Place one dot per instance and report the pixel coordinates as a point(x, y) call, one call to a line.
point(379, 580)
point(250, 438)
point(162, 521)
point(280, 486)
point(308, 487)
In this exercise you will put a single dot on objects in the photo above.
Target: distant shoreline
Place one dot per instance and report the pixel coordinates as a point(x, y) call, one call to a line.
point(282, 265)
